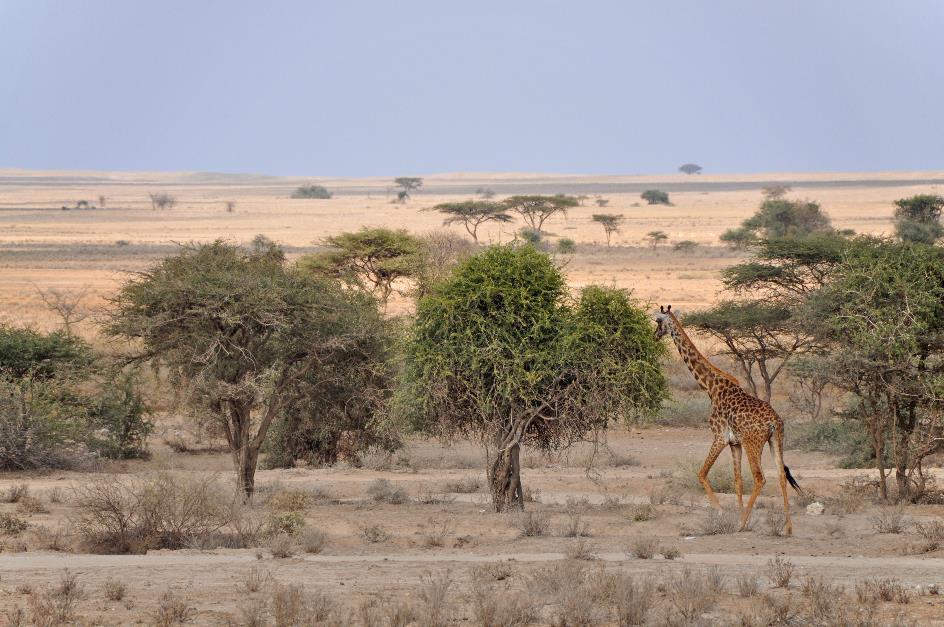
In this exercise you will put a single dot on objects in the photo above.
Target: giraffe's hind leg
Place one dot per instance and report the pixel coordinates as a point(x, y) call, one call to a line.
point(716, 447)
point(738, 483)
point(777, 441)
point(754, 449)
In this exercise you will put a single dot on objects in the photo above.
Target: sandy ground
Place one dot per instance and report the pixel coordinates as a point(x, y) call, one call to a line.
point(42, 247)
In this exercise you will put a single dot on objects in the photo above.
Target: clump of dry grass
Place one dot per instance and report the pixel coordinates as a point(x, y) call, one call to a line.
point(691, 595)
point(644, 548)
point(434, 533)
point(493, 571)
point(57, 605)
point(50, 539)
point(531, 524)
point(631, 600)
point(574, 527)
point(114, 590)
point(312, 540)
point(822, 594)
point(256, 579)
point(282, 545)
point(933, 533)
point(31, 505)
point(289, 501)
point(553, 580)
point(780, 571)
point(670, 552)
point(15, 493)
point(580, 550)
point(465, 485)
point(55, 495)
point(747, 585)
point(775, 520)
point(719, 523)
point(643, 512)
point(374, 534)
point(890, 520)
point(382, 491)
point(496, 606)
point(871, 591)
point(434, 596)
point(11, 524)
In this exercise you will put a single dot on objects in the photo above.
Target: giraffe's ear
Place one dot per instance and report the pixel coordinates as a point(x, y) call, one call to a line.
point(669, 309)
point(661, 308)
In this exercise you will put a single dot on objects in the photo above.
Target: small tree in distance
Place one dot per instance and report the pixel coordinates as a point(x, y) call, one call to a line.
point(485, 193)
point(501, 354)
point(472, 214)
point(918, 219)
point(408, 185)
point(655, 197)
point(535, 210)
point(690, 168)
point(602, 202)
point(610, 223)
point(317, 192)
point(162, 200)
point(655, 238)
point(775, 192)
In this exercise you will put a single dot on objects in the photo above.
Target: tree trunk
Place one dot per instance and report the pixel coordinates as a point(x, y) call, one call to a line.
point(246, 460)
point(504, 479)
point(245, 453)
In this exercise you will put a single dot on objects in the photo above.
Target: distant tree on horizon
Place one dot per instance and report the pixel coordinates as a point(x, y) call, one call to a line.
point(408, 184)
point(690, 168)
point(655, 197)
point(610, 223)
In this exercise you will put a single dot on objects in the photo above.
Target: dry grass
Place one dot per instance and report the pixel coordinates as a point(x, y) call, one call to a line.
point(933, 533)
point(531, 524)
point(31, 505)
point(51, 539)
point(465, 485)
point(775, 520)
point(871, 591)
point(643, 512)
point(691, 594)
point(383, 491)
point(256, 579)
point(497, 607)
point(312, 540)
point(670, 552)
point(644, 548)
point(289, 501)
point(719, 523)
point(56, 606)
point(747, 585)
point(114, 590)
point(492, 571)
point(282, 545)
point(434, 533)
point(374, 534)
point(10, 524)
point(15, 493)
point(580, 550)
point(822, 594)
point(574, 527)
point(780, 571)
point(890, 520)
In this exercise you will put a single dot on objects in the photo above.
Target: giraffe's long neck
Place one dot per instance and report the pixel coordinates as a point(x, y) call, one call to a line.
point(706, 374)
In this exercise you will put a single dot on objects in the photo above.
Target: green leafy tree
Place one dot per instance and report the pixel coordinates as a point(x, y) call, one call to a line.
point(241, 329)
point(501, 353)
point(472, 214)
point(685, 245)
point(775, 192)
point(788, 218)
point(535, 210)
point(655, 197)
point(610, 222)
point(319, 192)
point(918, 219)
point(656, 238)
point(373, 259)
point(690, 168)
point(407, 185)
point(738, 239)
point(485, 193)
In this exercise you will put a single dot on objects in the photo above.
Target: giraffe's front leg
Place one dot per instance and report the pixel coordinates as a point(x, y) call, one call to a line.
point(716, 447)
point(738, 483)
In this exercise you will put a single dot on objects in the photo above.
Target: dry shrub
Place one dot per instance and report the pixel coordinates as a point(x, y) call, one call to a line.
point(56, 605)
point(630, 600)
point(248, 526)
point(642, 513)
point(644, 548)
point(691, 594)
point(282, 545)
point(775, 520)
point(553, 580)
point(374, 534)
point(434, 533)
point(492, 571)
point(256, 580)
point(434, 595)
point(289, 501)
point(822, 595)
point(161, 512)
point(580, 550)
point(670, 552)
point(114, 590)
point(286, 522)
point(55, 495)
point(428, 497)
point(719, 523)
point(531, 495)
point(780, 610)
point(747, 585)
point(574, 527)
point(253, 612)
point(382, 491)
point(780, 571)
point(465, 485)
point(16, 617)
point(15, 493)
point(11, 524)
point(312, 540)
point(890, 520)
point(871, 591)
point(500, 608)
point(532, 524)
point(933, 534)
point(288, 605)
point(31, 505)
point(47, 539)
point(851, 496)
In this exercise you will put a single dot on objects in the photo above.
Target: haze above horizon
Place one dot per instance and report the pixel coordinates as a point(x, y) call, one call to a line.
point(376, 88)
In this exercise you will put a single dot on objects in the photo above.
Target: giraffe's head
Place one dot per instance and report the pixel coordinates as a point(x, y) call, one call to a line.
point(663, 320)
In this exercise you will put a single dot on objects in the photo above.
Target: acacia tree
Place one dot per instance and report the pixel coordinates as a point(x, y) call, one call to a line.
point(535, 210)
point(690, 168)
point(241, 329)
point(472, 214)
point(655, 238)
point(787, 218)
point(372, 259)
point(408, 185)
point(655, 197)
point(918, 218)
point(500, 353)
point(610, 223)
point(162, 200)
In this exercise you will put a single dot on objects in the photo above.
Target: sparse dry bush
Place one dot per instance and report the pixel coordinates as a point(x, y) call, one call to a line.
point(114, 590)
point(834, 528)
point(644, 512)
point(31, 505)
point(288, 605)
point(50, 539)
point(382, 491)
point(670, 552)
point(644, 548)
point(552, 580)
point(574, 527)
point(747, 585)
point(780, 610)
point(780, 571)
point(286, 522)
point(890, 520)
point(374, 534)
point(253, 612)
point(289, 501)
point(282, 545)
point(719, 523)
point(434, 594)
point(690, 594)
point(531, 524)
point(580, 550)
point(312, 540)
point(492, 571)
point(933, 533)
point(822, 594)
point(775, 520)
point(631, 600)
point(15, 493)
point(55, 495)
point(465, 485)
point(872, 591)
point(56, 606)
point(434, 533)
point(851, 496)
point(256, 580)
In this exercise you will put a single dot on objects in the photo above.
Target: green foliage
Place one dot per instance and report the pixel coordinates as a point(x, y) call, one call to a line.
point(655, 197)
point(739, 238)
point(408, 184)
point(686, 245)
point(531, 236)
point(36, 430)
point(319, 192)
point(242, 330)
point(535, 210)
point(372, 259)
point(118, 417)
point(655, 238)
point(566, 245)
point(690, 168)
point(843, 438)
point(918, 218)
point(24, 352)
point(778, 218)
point(473, 213)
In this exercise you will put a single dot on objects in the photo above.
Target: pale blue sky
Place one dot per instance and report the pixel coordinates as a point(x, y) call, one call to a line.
point(400, 87)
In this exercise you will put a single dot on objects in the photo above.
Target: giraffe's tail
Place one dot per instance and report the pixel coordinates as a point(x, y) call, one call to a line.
point(791, 480)
point(786, 471)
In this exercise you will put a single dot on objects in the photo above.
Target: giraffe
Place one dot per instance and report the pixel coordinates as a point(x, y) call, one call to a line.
point(738, 419)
